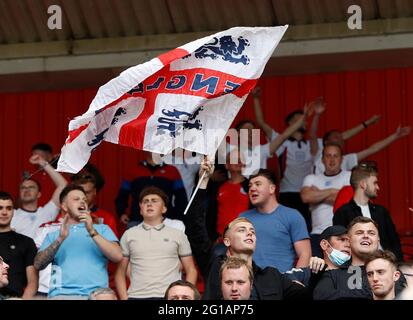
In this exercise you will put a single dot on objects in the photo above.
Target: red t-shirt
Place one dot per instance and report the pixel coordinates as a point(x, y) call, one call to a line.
point(108, 219)
point(232, 200)
point(344, 196)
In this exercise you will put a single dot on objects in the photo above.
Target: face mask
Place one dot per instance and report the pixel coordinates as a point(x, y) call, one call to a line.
point(338, 258)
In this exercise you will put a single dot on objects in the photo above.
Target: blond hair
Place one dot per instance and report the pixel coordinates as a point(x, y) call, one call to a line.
point(233, 223)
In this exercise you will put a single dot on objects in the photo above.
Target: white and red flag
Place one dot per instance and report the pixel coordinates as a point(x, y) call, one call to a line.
point(187, 97)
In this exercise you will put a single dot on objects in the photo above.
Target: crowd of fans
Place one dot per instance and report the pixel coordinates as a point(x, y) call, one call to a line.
point(318, 234)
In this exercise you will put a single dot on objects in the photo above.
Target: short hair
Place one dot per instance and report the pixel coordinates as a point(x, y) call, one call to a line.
point(39, 187)
point(362, 220)
point(6, 196)
point(239, 125)
point(236, 263)
point(291, 115)
point(328, 134)
point(405, 264)
point(332, 144)
point(154, 190)
point(266, 173)
point(382, 254)
point(91, 170)
point(362, 171)
point(43, 147)
point(83, 179)
point(99, 291)
point(69, 188)
point(183, 283)
point(234, 222)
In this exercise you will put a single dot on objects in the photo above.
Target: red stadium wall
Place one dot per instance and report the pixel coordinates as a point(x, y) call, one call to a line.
point(351, 97)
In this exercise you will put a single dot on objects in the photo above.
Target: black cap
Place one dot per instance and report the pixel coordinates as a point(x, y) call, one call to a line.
point(332, 231)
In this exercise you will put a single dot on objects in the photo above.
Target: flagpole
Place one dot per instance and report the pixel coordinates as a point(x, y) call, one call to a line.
point(194, 193)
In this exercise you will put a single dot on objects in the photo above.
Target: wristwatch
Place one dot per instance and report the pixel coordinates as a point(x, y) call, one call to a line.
point(94, 234)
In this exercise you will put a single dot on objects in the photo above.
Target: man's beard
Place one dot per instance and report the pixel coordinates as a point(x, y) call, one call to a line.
point(302, 130)
point(369, 194)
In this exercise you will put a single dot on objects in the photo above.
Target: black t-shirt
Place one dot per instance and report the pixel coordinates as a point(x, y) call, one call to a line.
point(18, 251)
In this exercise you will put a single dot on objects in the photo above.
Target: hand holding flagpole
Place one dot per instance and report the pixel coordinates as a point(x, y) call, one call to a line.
point(205, 171)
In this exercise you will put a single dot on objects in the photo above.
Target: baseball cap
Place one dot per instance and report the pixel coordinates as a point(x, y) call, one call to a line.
point(332, 231)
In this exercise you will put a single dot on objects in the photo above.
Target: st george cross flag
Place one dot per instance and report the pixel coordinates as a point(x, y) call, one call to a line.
point(187, 97)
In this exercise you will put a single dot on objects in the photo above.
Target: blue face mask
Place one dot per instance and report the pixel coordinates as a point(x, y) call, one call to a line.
point(338, 258)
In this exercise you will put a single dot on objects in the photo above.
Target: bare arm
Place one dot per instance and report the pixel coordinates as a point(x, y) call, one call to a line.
point(120, 278)
point(32, 283)
point(46, 256)
point(380, 145)
point(110, 249)
point(331, 199)
point(277, 142)
point(357, 129)
point(258, 113)
point(319, 108)
point(190, 270)
point(303, 251)
point(313, 195)
point(206, 167)
point(59, 181)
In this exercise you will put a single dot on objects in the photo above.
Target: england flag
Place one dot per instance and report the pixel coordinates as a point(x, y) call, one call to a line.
point(187, 97)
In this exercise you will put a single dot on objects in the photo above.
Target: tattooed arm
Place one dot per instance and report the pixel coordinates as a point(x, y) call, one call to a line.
point(44, 257)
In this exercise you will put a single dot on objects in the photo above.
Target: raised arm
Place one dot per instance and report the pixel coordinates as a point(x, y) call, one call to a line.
point(258, 113)
point(319, 108)
point(195, 222)
point(380, 145)
point(277, 142)
point(57, 178)
point(357, 129)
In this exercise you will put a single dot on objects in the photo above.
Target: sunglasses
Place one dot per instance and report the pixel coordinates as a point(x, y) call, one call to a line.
point(368, 165)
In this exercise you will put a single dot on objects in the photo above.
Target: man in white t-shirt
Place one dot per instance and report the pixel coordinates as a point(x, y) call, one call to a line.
point(320, 192)
point(30, 216)
point(350, 160)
